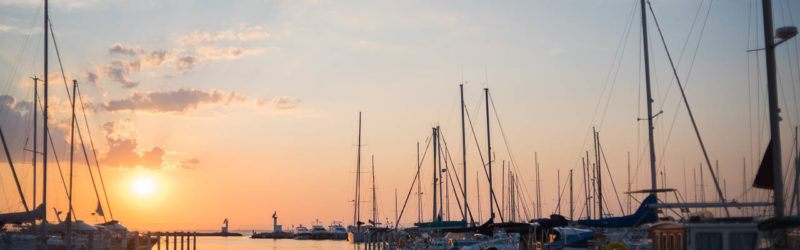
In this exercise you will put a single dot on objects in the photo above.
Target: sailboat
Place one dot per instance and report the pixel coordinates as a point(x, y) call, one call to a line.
point(355, 233)
point(75, 234)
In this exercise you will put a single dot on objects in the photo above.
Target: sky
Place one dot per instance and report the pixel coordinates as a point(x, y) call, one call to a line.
point(204, 110)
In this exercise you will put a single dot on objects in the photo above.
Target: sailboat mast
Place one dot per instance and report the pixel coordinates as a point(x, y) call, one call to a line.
point(538, 186)
point(463, 151)
point(649, 100)
point(489, 154)
point(374, 207)
point(435, 177)
point(43, 231)
point(586, 189)
point(357, 207)
point(71, 157)
point(35, 137)
point(599, 174)
point(772, 101)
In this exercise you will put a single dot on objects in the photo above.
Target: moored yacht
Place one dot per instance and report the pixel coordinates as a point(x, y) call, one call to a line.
point(302, 233)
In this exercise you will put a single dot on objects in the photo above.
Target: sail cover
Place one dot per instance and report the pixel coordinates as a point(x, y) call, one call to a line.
point(765, 178)
point(643, 215)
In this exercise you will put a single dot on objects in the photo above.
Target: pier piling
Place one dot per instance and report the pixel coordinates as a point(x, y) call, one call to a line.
point(194, 241)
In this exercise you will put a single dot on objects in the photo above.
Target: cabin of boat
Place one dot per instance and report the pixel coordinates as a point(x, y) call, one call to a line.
point(729, 233)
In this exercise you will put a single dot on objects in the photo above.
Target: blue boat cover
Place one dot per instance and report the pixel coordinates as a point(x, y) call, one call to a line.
point(643, 215)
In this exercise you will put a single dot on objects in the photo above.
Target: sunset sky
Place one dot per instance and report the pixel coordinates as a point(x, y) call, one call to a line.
point(206, 110)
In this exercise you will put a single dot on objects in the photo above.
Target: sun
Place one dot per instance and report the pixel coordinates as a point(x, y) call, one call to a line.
point(143, 186)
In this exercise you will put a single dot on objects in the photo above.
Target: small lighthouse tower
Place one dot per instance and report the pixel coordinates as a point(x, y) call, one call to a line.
point(225, 228)
point(275, 226)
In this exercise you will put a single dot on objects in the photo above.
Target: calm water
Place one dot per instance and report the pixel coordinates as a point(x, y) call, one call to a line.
point(244, 242)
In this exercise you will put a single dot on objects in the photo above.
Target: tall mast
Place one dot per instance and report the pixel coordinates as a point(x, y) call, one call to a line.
point(463, 151)
point(772, 100)
point(649, 100)
point(489, 153)
point(35, 133)
point(71, 156)
point(599, 174)
point(43, 231)
point(374, 207)
point(538, 187)
point(357, 207)
point(435, 177)
point(586, 190)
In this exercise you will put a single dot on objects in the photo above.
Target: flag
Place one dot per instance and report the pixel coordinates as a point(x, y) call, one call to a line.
point(765, 178)
point(99, 210)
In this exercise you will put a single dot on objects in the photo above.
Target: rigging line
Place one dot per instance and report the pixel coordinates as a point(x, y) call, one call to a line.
point(624, 42)
point(686, 42)
point(55, 157)
point(508, 148)
point(749, 87)
point(419, 167)
point(23, 48)
point(688, 110)
point(455, 171)
point(483, 162)
point(94, 153)
point(610, 176)
point(80, 136)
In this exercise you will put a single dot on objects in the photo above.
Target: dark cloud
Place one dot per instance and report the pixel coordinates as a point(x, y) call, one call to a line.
point(118, 71)
point(122, 49)
point(91, 76)
point(16, 121)
point(177, 101)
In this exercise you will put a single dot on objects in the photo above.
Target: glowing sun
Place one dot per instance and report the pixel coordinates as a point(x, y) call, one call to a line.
point(143, 186)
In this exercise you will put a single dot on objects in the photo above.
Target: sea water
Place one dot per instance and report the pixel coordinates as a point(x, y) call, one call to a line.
point(245, 242)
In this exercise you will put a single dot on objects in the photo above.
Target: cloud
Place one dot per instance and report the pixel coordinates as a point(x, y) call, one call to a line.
point(155, 58)
point(124, 150)
point(186, 62)
point(118, 71)
point(190, 164)
point(122, 49)
point(91, 76)
point(176, 101)
point(16, 120)
point(227, 52)
point(280, 103)
point(244, 33)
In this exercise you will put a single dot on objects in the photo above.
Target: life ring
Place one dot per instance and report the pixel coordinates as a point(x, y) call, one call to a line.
point(616, 245)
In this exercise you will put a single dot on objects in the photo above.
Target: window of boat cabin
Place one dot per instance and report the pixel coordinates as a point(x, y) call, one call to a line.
point(708, 241)
point(743, 240)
